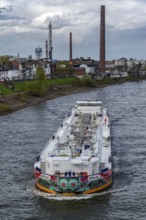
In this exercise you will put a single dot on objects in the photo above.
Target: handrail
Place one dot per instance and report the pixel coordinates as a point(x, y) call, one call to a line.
point(81, 176)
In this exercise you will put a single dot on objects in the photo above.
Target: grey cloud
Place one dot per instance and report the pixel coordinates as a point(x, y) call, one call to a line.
point(6, 17)
point(59, 21)
point(28, 24)
point(7, 8)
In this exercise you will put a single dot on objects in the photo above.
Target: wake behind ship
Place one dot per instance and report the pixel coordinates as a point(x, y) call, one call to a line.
point(77, 159)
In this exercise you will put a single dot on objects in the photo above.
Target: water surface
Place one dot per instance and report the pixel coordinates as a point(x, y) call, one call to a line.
point(24, 133)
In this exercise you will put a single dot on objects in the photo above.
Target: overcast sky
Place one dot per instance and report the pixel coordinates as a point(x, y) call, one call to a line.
point(24, 23)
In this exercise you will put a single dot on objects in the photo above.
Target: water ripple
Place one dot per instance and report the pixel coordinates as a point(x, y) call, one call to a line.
point(24, 133)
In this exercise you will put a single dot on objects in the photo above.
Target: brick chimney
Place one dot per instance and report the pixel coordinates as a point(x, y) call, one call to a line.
point(70, 48)
point(102, 39)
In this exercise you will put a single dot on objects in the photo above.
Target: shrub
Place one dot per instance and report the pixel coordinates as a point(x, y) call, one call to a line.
point(39, 86)
point(85, 81)
point(4, 90)
point(4, 108)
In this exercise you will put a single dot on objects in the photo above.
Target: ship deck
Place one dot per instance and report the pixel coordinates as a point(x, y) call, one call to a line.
point(80, 137)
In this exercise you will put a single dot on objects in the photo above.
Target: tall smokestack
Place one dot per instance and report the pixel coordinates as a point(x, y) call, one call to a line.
point(50, 41)
point(50, 47)
point(102, 39)
point(47, 53)
point(70, 48)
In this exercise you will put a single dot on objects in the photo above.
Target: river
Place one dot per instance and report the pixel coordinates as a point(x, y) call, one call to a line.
point(24, 133)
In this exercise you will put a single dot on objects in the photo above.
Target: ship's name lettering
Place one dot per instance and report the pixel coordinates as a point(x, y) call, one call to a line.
point(93, 177)
point(45, 177)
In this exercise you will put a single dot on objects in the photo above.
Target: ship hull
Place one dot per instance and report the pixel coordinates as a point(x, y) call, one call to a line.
point(98, 189)
point(74, 186)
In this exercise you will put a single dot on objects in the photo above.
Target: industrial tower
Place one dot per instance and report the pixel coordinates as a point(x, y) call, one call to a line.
point(47, 51)
point(102, 39)
point(38, 53)
point(70, 47)
point(50, 41)
point(50, 46)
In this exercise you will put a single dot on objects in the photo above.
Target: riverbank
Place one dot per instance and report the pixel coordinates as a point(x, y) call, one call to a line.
point(16, 101)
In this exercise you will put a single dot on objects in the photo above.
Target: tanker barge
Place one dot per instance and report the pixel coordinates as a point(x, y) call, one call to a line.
point(77, 158)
